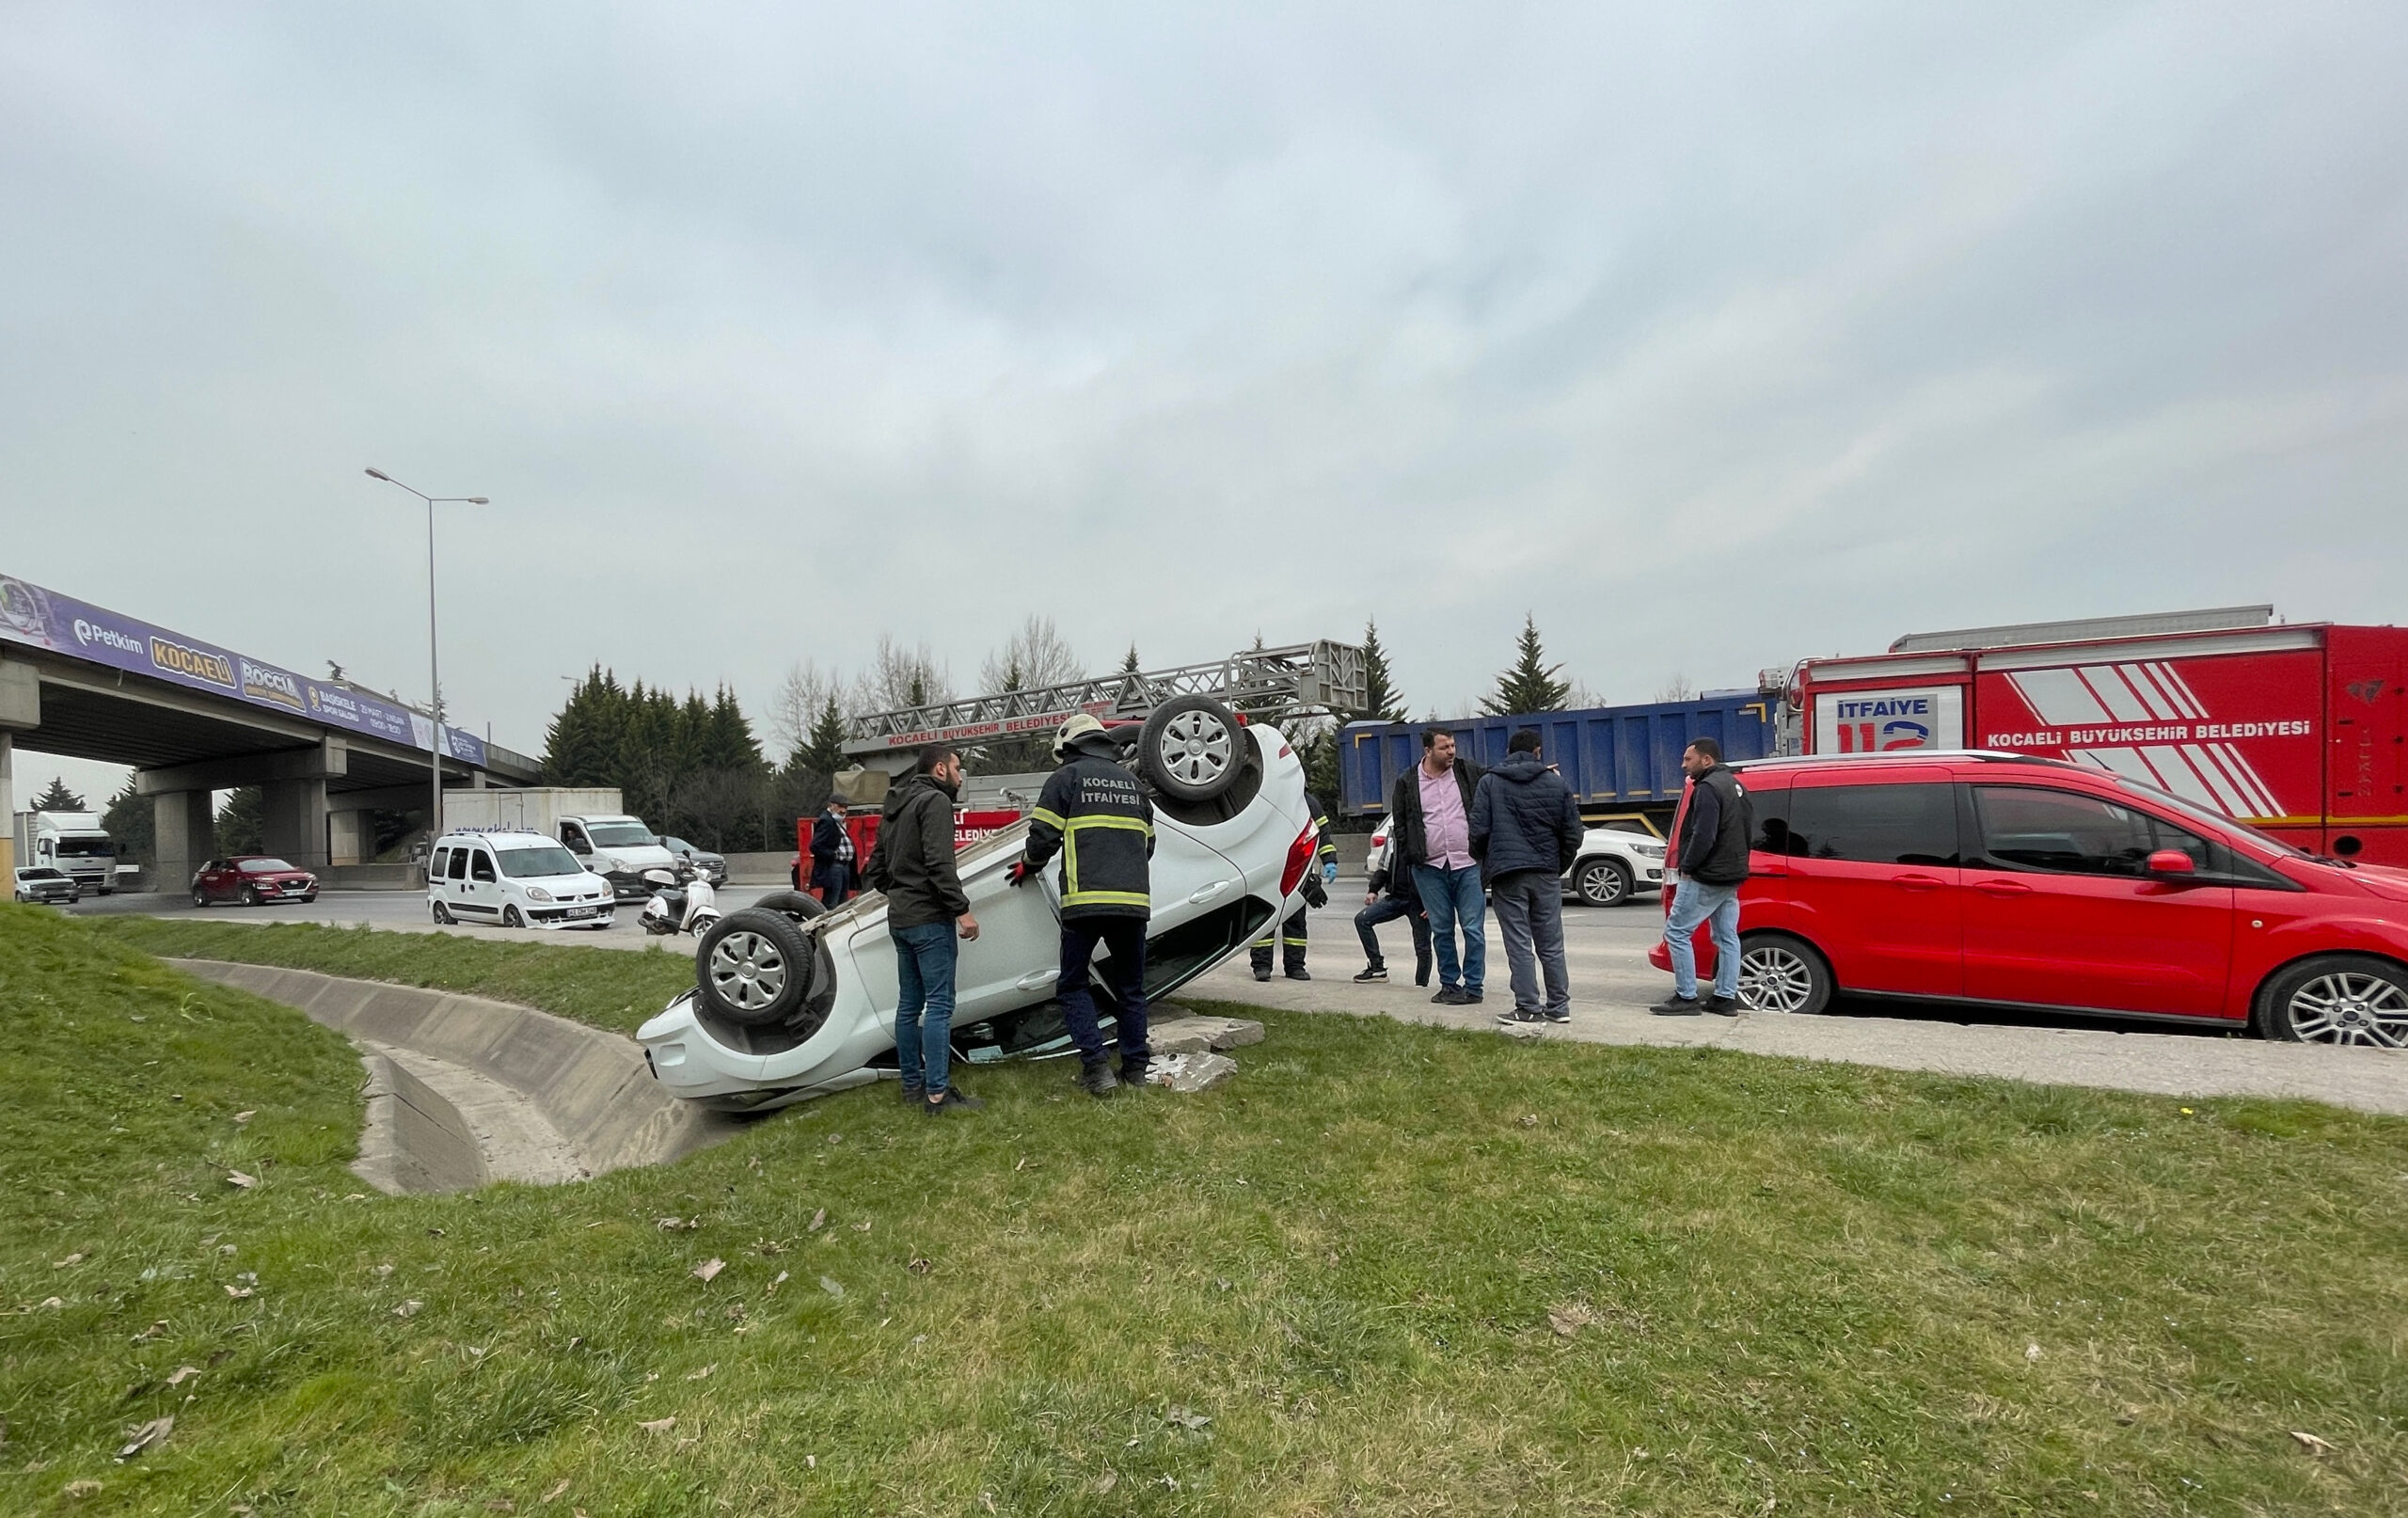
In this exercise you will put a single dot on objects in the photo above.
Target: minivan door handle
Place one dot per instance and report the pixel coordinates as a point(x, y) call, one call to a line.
point(2003, 888)
point(1917, 883)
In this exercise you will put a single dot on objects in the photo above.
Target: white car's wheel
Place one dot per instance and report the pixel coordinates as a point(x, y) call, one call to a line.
point(1601, 882)
point(1191, 748)
point(753, 967)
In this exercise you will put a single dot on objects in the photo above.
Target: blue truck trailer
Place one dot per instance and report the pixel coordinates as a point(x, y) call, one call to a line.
point(1623, 762)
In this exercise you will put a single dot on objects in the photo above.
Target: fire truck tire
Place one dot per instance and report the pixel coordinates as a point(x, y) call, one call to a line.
point(753, 968)
point(1191, 749)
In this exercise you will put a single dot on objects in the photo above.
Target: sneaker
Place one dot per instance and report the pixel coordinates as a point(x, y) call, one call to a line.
point(1556, 1014)
point(1722, 1007)
point(953, 1100)
point(1513, 1016)
point(1098, 1080)
point(1678, 1007)
point(913, 1091)
point(1447, 996)
point(1376, 973)
point(1300, 972)
point(1471, 998)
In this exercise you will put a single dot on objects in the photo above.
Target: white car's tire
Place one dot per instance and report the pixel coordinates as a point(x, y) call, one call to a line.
point(1601, 881)
point(794, 904)
point(1191, 749)
point(753, 968)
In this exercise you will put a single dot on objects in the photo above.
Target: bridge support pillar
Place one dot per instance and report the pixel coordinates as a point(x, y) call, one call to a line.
point(351, 836)
point(9, 807)
point(186, 829)
point(292, 821)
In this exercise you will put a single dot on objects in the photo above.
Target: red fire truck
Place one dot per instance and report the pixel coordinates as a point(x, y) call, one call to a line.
point(2300, 730)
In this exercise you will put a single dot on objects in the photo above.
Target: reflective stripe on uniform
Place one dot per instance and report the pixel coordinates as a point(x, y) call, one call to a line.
point(1071, 894)
point(1051, 819)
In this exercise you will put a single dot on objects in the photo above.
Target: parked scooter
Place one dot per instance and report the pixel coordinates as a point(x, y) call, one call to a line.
point(687, 906)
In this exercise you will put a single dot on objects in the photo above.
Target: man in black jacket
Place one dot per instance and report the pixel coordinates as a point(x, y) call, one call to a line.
point(832, 856)
point(912, 862)
point(1388, 895)
point(1710, 862)
point(1096, 813)
point(1526, 832)
point(1429, 816)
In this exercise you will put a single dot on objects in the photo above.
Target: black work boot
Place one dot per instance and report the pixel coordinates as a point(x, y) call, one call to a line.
point(1299, 972)
point(1133, 1073)
point(1097, 1080)
point(1262, 969)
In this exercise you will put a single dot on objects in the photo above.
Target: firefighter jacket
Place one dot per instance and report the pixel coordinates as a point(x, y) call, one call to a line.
point(1096, 813)
point(1316, 888)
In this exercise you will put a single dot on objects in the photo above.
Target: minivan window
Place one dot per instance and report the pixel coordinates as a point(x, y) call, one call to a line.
point(2062, 832)
point(480, 866)
point(442, 862)
point(1772, 821)
point(1914, 823)
point(459, 864)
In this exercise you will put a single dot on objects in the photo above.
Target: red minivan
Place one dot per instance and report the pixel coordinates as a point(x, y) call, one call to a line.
point(2023, 882)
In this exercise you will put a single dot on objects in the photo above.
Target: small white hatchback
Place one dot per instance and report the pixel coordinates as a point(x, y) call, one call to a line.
point(514, 879)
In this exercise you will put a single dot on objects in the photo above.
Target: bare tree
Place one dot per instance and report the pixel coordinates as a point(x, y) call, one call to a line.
point(1034, 656)
point(798, 701)
point(1677, 689)
point(899, 676)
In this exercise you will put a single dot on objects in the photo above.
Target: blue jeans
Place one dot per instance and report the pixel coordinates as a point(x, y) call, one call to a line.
point(1388, 909)
point(1124, 985)
point(924, 960)
point(1695, 902)
point(1454, 897)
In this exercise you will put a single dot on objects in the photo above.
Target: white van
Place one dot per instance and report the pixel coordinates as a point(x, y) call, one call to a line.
point(515, 878)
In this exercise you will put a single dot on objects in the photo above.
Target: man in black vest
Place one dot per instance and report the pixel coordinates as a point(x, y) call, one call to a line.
point(1710, 858)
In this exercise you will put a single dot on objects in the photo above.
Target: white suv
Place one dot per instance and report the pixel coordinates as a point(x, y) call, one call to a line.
point(514, 879)
point(1613, 862)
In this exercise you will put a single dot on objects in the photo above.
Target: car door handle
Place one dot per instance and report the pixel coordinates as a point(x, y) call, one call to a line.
point(1036, 978)
point(1917, 883)
point(1209, 892)
point(2003, 888)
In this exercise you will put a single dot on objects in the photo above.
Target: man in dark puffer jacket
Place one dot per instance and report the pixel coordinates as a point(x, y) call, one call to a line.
point(1710, 858)
point(1526, 832)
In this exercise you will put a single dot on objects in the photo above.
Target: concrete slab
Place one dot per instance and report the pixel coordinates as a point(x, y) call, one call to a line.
point(537, 1097)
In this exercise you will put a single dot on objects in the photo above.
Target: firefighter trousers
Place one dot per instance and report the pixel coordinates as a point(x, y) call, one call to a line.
point(1288, 937)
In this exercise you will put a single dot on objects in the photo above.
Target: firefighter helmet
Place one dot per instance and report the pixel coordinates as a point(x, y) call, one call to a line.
point(1079, 732)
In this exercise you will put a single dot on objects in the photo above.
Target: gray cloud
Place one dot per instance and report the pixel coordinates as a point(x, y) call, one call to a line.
point(1714, 336)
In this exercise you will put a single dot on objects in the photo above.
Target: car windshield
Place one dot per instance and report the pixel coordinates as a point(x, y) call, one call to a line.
point(529, 864)
point(619, 834)
point(676, 846)
point(263, 866)
point(2197, 812)
point(84, 849)
point(39, 873)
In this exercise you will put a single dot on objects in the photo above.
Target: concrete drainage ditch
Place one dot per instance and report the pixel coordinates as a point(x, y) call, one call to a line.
point(462, 1090)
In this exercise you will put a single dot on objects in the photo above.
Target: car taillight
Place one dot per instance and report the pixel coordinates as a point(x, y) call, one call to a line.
point(1300, 858)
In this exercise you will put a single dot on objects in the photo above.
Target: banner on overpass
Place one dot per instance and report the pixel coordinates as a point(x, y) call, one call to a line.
point(61, 624)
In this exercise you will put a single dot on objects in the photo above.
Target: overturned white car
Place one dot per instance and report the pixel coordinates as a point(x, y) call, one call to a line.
point(792, 1000)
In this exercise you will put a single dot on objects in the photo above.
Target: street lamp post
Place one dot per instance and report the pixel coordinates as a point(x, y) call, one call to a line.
point(434, 671)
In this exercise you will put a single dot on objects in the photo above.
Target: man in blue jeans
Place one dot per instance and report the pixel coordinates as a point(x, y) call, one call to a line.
point(1429, 820)
point(1710, 855)
point(925, 910)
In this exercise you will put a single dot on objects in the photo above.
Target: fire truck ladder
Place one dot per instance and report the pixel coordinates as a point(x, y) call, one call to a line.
point(1268, 684)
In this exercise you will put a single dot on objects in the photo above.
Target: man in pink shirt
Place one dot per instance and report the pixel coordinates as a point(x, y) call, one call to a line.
point(1430, 819)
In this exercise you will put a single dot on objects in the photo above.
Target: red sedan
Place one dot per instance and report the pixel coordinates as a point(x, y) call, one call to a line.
point(2033, 884)
point(253, 880)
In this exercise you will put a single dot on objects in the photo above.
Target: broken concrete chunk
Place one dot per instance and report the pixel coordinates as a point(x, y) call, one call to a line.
point(1191, 1071)
point(1196, 1035)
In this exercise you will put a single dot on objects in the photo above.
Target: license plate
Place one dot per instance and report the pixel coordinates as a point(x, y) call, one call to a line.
point(575, 912)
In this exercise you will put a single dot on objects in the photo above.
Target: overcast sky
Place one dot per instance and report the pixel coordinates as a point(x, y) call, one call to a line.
point(1714, 336)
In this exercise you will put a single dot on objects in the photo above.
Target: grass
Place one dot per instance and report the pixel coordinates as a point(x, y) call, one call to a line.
point(1399, 1270)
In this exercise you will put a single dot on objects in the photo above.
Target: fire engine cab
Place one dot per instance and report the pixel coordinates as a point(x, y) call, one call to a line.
point(2300, 729)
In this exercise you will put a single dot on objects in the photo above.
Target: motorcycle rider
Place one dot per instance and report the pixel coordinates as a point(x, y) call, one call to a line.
point(1095, 812)
point(1291, 934)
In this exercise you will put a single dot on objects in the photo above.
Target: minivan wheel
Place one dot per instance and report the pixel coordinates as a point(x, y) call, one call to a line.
point(1601, 882)
point(1780, 973)
point(513, 917)
point(442, 914)
point(2336, 999)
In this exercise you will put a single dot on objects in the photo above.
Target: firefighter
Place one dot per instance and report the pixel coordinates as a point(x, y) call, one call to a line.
point(1095, 814)
point(1290, 936)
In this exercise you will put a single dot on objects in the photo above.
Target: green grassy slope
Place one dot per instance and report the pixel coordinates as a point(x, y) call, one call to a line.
point(1397, 1268)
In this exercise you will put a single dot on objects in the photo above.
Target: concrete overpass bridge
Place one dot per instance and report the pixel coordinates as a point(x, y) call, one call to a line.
point(191, 718)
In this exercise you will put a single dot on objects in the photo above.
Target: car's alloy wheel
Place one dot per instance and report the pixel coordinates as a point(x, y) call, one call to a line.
point(1778, 973)
point(1601, 883)
point(746, 971)
point(2344, 999)
point(252, 896)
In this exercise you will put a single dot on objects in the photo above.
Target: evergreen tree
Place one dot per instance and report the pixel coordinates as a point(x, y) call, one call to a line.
point(581, 747)
point(57, 797)
point(242, 825)
point(823, 752)
point(1382, 701)
point(1529, 683)
point(1129, 662)
point(730, 745)
point(132, 825)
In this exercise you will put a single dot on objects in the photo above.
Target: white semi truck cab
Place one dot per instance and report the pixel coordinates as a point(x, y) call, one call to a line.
point(73, 842)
